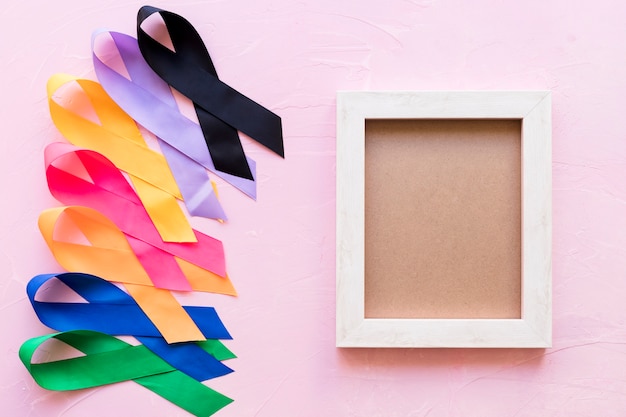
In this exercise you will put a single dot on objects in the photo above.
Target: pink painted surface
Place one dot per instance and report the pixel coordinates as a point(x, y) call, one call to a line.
point(293, 57)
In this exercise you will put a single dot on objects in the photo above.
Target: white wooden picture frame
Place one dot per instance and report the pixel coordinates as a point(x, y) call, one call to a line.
point(534, 328)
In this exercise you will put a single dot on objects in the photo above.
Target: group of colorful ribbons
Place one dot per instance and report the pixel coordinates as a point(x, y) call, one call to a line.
point(123, 223)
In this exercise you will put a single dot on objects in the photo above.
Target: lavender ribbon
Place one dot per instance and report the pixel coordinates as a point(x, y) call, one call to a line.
point(149, 101)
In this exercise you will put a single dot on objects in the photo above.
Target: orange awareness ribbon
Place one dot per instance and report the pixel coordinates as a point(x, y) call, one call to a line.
point(117, 137)
point(106, 190)
point(125, 248)
point(82, 239)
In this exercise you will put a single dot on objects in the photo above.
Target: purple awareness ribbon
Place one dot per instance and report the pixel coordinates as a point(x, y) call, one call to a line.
point(150, 102)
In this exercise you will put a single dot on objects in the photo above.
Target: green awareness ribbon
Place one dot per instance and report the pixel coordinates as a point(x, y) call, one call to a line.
point(108, 360)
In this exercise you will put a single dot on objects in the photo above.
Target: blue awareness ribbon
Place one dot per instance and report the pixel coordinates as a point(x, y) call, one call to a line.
point(110, 310)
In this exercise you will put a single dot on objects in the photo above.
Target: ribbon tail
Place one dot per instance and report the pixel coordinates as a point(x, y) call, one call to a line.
point(194, 183)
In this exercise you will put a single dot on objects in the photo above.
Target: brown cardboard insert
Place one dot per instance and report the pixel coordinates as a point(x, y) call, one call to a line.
point(442, 218)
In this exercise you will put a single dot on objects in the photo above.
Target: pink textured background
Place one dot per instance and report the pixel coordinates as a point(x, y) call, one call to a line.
point(292, 56)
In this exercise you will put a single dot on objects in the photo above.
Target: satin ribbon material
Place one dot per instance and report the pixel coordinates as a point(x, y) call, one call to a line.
point(192, 179)
point(107, 191)
point(148, 100)
point(119, 139)
point(106, 309)
point(110, 310)
point(221, 110)
point(108, 360)
point(106, 252)
point(191, 358)
point(82, 239)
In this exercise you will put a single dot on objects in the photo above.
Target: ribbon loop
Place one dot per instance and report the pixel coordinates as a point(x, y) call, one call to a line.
point(108, 360)
point(111, 195)
point(110, 310)
point(108, 254)
point(118, 137)
point(145, 90)
point(106, 309)
point(149, 100)
point(221, 109)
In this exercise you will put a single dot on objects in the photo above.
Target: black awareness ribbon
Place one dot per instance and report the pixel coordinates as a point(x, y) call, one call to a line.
point(221, 110)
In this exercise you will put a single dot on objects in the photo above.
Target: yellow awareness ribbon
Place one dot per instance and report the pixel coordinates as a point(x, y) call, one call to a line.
point(82, 239)
point(119, 139)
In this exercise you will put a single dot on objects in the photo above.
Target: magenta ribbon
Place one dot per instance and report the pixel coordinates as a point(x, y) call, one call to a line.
point(109, 193)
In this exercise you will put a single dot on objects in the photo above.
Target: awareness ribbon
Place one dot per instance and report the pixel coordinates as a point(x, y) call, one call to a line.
point(119, 139)
point(110, 310)
point(149, 101)
point(107, 253)
point(107, 191)
point(192, 179)
point(108, 360)
point(221, 110)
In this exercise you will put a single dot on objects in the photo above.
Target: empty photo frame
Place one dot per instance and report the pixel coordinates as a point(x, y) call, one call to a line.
point(444, 219)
